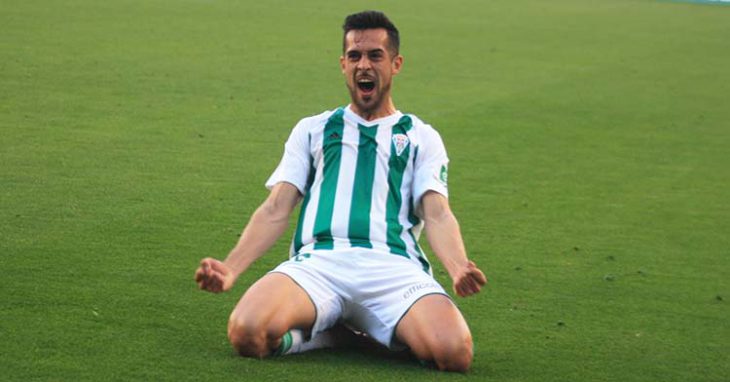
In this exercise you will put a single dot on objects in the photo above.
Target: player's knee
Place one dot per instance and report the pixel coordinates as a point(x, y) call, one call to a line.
point(248, 337)
point(275, 330)
point(454, 355)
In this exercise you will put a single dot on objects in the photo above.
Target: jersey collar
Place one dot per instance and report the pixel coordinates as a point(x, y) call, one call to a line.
point(388, 120)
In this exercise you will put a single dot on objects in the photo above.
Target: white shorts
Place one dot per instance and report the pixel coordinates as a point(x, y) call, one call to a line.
point(366, 290)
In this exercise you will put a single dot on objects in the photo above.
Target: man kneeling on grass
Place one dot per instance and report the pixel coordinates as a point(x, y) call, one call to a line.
point(371, 178)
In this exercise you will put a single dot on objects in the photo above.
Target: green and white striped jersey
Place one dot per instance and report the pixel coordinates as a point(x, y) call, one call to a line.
point(362, 181)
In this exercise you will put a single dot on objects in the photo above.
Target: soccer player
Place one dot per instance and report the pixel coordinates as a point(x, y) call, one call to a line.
point(370, 178)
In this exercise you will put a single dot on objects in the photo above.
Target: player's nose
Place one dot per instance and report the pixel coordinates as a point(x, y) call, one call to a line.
point(363, 63)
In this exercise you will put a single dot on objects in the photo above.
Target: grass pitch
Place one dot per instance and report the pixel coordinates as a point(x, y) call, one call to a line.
point(589, 145)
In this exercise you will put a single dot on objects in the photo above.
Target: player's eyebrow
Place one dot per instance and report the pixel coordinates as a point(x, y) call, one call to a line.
point(358, 51)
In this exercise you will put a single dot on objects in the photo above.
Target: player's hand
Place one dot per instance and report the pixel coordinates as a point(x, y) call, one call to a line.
point(469, 280)
point(214, 276)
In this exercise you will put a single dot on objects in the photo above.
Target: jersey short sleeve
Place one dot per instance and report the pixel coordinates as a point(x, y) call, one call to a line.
point(296, 162)
point(431, 167)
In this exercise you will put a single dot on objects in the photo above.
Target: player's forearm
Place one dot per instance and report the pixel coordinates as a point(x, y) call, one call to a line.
point(444, 237)
point(266, 225)
point(260, 234)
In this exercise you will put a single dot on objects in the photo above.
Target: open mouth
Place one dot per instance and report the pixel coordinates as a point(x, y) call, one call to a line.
point(366, 85)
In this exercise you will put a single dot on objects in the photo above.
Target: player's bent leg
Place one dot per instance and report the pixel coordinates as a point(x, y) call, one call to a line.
point(268, 309)
point(435, 330)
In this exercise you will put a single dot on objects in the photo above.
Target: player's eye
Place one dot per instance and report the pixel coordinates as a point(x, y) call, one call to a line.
point(376, 56)
point(353, 56)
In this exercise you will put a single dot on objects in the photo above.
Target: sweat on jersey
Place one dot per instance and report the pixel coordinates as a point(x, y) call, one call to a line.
point(362, 181)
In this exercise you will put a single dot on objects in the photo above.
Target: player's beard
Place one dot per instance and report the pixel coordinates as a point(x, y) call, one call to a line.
point(370, 104)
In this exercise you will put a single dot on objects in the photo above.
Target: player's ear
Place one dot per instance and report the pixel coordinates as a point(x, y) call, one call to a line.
point(342, 64)
point(397, 64)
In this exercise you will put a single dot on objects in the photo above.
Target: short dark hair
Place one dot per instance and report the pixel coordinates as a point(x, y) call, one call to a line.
point(372, 20)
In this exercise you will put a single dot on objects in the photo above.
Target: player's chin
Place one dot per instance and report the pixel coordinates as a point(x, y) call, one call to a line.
point(367, 103)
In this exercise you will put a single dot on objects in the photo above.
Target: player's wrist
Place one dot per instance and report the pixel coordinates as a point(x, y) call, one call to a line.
point(455, 268)
point(234, 270)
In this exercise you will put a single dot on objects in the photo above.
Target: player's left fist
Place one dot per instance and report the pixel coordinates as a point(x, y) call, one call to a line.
point(469, 280)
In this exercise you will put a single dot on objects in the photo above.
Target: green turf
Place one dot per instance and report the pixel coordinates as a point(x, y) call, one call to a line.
point(590, 147)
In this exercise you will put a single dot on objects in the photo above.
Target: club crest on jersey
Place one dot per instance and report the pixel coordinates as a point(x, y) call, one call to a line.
point(442, 175)
point(400, 141)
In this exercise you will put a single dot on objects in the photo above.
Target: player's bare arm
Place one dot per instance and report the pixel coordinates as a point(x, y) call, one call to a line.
point(444, 236)
point(266, 225)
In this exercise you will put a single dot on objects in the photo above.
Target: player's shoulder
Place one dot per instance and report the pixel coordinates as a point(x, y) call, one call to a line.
point(313, 121)
point(421, 128)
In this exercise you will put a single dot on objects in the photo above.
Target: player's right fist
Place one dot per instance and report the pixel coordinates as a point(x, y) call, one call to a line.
point(214, 276)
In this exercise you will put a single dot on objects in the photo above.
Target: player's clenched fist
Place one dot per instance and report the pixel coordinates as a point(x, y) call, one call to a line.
point(214, 276)
point(469, 280)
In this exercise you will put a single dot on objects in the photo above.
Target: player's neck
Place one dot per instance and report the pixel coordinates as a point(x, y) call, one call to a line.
point(383, 110)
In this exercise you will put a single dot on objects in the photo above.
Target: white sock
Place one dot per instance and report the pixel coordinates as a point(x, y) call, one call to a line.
point(293, 342)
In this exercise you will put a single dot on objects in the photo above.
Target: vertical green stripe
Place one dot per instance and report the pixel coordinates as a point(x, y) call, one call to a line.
point(414, 220)
point(421, 258)
point(396, 167)
point(285, 345)
point(305, 202)
point(362, 189)
point(415, 157)
point(332, 148)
